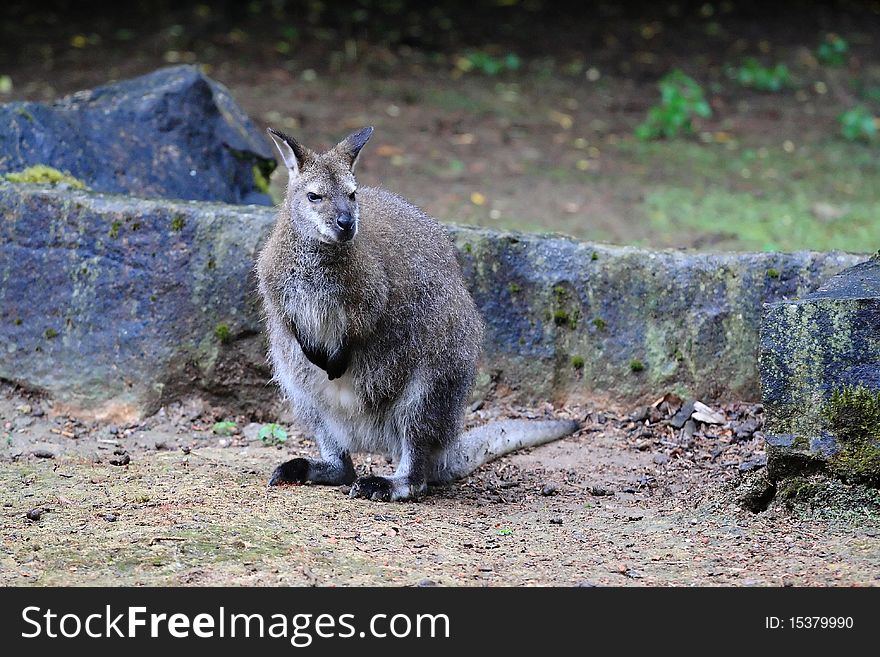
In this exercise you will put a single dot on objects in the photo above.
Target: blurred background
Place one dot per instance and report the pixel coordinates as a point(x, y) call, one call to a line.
point(707, 125)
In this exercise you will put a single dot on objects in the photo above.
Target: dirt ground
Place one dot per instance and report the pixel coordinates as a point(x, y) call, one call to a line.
point(168, 501)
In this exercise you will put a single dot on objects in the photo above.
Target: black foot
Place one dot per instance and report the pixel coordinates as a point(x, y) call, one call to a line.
point(379, 489)
point(295, 471)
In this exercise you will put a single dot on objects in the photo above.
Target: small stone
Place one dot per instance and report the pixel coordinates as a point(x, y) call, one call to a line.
point(185, 449)
point(745, 430)
point(753, 464)
point(42, 453)
point(426, 583)
point(556, 521)
point(549, 489)
point(120, 459)
point(113, 430)
point(688, 431)
point(345, 490)
point(109, 517)
point(660, 459)
point(35, 514)
point(251, 432)
point(639, 415)
point(683, 415)
point(600, 491)
point(703, 413)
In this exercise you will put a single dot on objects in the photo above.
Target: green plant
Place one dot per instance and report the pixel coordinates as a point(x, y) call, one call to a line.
point(487, 64)
point(223, 333)
point(833, 50)
point(225, 428)
point(272, 434)
point(681, 100)
point(858, 124)
point(755, 76)
point(636, 365)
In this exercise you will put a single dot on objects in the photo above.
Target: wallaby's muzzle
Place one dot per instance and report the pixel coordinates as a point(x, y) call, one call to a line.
point(345, 226)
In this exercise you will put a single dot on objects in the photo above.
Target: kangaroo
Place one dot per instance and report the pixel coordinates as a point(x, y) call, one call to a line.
point(373, 336)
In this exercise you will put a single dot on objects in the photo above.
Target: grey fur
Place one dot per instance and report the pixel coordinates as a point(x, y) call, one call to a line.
point(373, 335)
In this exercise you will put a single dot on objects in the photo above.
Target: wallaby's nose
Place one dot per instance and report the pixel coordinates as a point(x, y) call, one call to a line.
point(345, 221)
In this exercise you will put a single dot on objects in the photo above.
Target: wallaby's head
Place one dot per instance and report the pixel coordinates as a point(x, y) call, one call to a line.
point(321, 189)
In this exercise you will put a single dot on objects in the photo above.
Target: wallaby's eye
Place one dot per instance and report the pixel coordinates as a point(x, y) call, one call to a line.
point(351, 196)
point(314, 198)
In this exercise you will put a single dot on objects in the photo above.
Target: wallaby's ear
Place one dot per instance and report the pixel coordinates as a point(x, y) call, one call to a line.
point(293, 154)
point(351, 146)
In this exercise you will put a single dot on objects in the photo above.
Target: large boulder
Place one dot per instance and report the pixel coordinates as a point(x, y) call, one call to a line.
point(174, 133)
point(820, 372)
point(113, 305)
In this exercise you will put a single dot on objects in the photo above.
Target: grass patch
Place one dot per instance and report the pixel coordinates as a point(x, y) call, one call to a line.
point(761, 199)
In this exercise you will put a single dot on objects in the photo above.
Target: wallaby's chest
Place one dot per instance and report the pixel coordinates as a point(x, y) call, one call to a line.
point(318, 314)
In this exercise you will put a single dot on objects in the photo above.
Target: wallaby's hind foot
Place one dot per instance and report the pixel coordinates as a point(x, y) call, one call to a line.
point(300, 471)
point(387, 489)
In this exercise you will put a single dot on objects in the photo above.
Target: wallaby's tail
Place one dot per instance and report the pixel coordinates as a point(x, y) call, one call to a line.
point(486, 443)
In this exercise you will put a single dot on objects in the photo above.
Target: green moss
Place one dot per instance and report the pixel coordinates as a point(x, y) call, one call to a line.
point(468, 248)
point(801, 443)
point(223, 333)
point(635, 365)
point(577, 362)
point(773, 273)
point(114, 229)
point(261, 180)
point(50, 333)
point(178, 223)
point(595, 256)
point(853, 416)
point(599, 323)
point(563, 318)
point(21, 111)
point(41, 174)
point(212, 264)
point(514, 288)
point(798, 489)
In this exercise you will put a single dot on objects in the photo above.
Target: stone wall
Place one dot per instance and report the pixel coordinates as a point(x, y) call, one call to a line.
point(113, 304)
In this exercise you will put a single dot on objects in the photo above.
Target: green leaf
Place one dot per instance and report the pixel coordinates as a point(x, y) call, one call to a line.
point(272, 434)
point(224, 428)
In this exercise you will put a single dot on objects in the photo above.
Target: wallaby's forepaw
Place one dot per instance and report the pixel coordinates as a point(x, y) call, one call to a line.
point(379, 489)
point(295, 471)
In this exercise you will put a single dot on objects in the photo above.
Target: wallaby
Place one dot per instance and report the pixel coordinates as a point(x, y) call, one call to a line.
point(373, 335)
